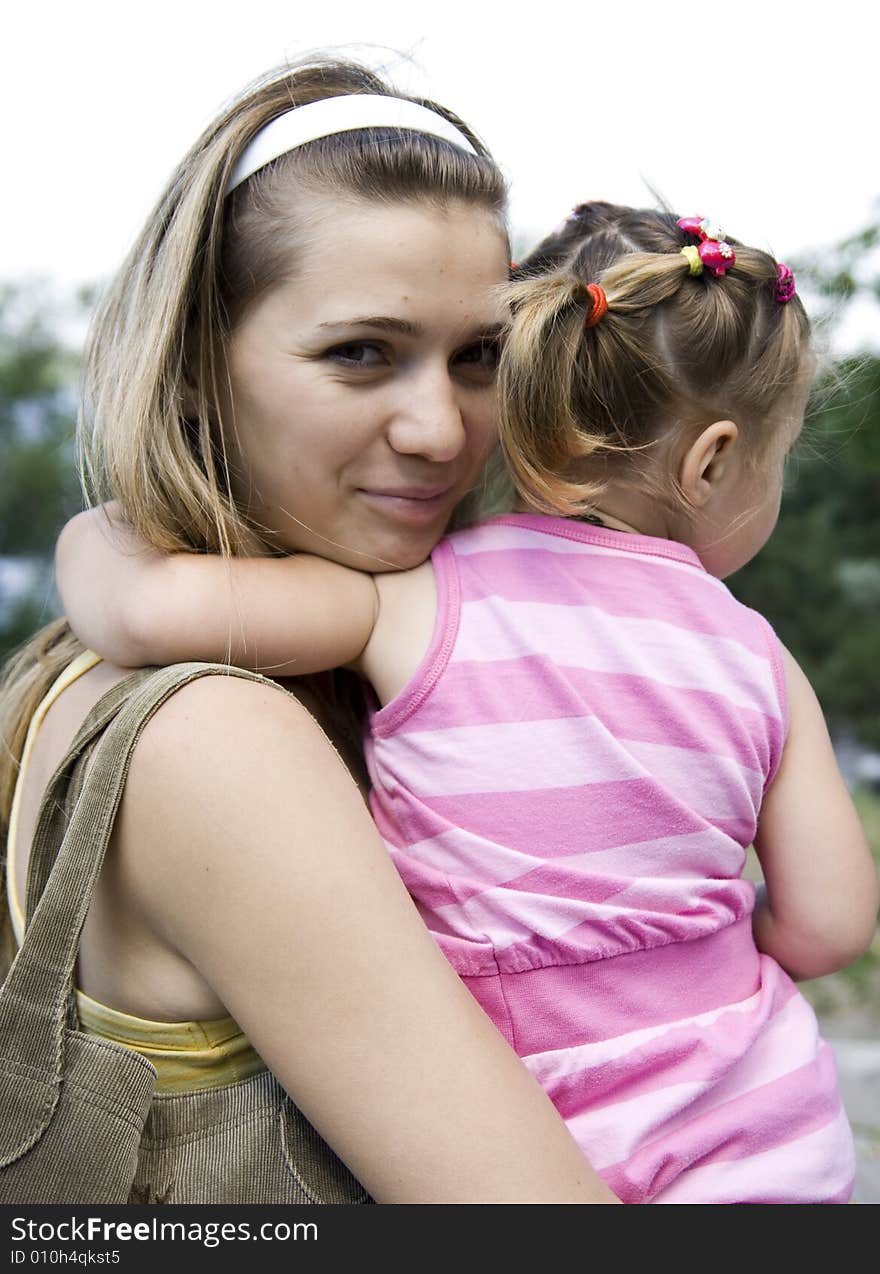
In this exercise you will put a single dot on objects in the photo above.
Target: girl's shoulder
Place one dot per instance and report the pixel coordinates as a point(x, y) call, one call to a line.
point(403, 631)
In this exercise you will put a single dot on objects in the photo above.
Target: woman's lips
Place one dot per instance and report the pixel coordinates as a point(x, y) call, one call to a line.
point(414, 505)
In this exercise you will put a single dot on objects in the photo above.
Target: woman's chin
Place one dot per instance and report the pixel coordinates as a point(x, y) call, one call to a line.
point(393, 546)
point(374, 548)
point(398, 554)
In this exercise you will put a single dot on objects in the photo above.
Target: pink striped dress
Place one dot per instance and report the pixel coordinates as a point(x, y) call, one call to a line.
point(567, 787)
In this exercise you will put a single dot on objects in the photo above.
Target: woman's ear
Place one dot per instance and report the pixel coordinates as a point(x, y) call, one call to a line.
point(190, 401)
point(196, 372)
point(708, 461)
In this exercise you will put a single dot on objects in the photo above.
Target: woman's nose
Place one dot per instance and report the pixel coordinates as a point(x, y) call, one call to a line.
point(429, 421)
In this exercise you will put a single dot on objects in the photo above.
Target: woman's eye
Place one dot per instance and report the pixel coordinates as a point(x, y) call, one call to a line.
point(358, 354)
point(482, 355)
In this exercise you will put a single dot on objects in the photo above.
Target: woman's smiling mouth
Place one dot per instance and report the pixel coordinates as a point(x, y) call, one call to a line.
point(416, 505)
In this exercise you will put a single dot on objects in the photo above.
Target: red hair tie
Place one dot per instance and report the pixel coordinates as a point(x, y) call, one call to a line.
point(600, 304)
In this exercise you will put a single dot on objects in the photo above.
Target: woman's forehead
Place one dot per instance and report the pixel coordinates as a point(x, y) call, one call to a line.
point(401, 261)
point(351, 233)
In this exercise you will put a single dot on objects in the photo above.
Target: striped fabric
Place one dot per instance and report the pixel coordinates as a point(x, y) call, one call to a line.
point(567, 787)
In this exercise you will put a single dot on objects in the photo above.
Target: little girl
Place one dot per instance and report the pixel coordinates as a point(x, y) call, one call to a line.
point(579, 731)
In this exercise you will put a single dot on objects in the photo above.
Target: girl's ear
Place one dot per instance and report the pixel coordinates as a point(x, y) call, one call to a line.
point(707, 462)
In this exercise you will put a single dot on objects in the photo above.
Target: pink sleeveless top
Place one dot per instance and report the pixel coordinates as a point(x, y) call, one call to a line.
point(567, 787)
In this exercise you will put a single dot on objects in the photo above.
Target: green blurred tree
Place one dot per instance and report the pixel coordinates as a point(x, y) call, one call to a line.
point(39, 488)
point(818, 579)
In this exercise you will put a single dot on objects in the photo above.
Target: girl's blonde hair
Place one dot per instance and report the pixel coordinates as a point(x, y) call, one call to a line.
point(673, 351)
point(151, 435)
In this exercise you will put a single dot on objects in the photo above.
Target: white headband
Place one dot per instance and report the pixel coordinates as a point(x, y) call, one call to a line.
point(339, 115)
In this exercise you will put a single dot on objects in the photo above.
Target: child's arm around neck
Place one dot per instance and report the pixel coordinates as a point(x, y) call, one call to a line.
point(284, 617)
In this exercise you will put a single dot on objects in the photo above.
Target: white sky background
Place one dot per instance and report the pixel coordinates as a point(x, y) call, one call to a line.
point(762, 115)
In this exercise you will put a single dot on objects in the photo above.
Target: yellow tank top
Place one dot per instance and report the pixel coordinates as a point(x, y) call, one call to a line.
point(188, 1056)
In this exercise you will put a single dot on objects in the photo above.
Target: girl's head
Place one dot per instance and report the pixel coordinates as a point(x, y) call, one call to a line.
point(302, 358)
point(677, 403)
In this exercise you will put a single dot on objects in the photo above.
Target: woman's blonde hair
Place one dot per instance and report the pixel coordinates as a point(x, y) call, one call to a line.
point(673, 350)
point(151, 433)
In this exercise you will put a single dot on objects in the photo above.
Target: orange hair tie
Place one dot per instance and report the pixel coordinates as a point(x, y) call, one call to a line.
point(600, 304)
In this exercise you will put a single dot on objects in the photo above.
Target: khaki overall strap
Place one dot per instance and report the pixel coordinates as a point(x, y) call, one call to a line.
point(34, 998)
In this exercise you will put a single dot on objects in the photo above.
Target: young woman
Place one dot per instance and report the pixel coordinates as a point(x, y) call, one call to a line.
point(248, 916)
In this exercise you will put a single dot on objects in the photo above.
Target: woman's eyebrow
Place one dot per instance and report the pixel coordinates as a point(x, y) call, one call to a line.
point(378, 321)
point(485, 332)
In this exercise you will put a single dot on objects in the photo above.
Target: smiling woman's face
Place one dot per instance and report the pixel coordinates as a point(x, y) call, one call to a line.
point(363, 389)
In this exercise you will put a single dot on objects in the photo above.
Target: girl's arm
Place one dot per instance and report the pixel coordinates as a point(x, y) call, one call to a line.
point(249, 849)
point(282, 616)
point(819, 908)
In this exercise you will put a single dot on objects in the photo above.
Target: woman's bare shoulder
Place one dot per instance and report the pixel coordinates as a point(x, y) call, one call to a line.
point(215, 694)
point(242, 709)
point(231, 748)
point(224, 733)
point(231, 785)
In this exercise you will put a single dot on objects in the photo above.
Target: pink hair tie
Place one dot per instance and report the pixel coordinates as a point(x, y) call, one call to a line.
point(716, 254)
point(785, 284)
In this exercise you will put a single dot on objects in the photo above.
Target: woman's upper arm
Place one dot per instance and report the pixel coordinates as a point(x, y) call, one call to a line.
point(821, 880)
point(253, 854)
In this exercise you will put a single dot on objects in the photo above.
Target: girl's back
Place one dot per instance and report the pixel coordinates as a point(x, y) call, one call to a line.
point(568, 786)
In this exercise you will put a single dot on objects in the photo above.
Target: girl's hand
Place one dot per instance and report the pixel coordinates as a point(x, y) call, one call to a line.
point(281, 616)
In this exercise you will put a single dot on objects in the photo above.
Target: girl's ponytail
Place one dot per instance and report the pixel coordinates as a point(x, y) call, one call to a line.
point(541, 433)
point(623, 341)
point(566, 394)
